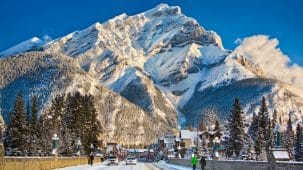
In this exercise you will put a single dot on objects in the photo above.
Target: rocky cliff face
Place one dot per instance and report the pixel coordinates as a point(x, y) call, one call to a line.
point(160, 60)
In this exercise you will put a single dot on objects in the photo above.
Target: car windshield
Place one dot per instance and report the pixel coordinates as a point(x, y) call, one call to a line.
point(130, 158)
point(112, 157)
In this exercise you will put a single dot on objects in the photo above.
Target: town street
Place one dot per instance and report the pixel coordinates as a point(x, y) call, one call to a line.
point(140, 166)
point(121, 166)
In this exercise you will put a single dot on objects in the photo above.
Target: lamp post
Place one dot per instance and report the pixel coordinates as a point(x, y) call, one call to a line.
point(79, 147)
point(55, 140)
point(179, 149)
point(216, 142)
point(91, 148)
point(277, 131)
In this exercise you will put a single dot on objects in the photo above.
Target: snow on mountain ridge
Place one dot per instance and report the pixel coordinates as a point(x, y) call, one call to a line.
point(34, 42)
point(157, 55)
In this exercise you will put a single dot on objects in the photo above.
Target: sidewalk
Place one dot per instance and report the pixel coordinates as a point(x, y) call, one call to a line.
point(165, 166)
point(96, 166)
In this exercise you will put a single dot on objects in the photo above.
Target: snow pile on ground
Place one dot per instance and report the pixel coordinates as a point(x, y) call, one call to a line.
point(86, 167)
point(166, 166)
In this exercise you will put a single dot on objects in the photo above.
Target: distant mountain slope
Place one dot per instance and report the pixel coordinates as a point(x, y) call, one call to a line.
point(250, 91)
point(46, 75)
point(32, 44)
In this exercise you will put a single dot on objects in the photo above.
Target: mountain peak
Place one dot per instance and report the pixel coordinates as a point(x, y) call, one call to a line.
point(24, 46)
point(163, 9)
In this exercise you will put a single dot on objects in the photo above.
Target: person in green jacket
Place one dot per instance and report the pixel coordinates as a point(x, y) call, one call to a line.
point(194, 162)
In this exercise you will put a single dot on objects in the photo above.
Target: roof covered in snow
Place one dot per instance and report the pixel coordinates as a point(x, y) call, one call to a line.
point(281, 155)
point(187, 134)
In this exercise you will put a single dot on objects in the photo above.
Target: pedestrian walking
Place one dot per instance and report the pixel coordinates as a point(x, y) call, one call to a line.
point(203, 163)
point(91, 158)
point(194, 161)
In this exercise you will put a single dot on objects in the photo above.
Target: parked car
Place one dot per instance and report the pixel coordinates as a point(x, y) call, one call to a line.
point(131, 161)
point(112, 160)
point(142, 158)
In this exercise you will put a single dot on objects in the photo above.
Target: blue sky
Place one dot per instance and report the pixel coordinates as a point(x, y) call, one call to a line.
point(281, 19)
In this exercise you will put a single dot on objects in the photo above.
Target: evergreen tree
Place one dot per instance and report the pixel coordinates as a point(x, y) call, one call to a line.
point(264, 124)
point(299, 143)
point(45, 132)
point(92, 127)
point(34, 112)
point(236, 129)
point(264, 118)
point(249, 150)
point(28, 114)
point(56, 113)
point(1, 134)
point(273, 126)
point(27, 135)
point(50, 124)
point(259, 143)
point(2, 129)
point(289, 137)
point(226, 138)
point(16, 139)
point(202, 126)
point(217, 126)
point(268, 137)
point(67, 141)
point(34, 125)
point(190, 127)
point(274, 119)
point(253, 126)
point(73, 111)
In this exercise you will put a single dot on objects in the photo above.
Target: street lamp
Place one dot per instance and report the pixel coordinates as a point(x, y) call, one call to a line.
point(91, 148)
point(216, 142)
point(179, 149)
point(55, 140)
point(277, 131)
point(78, 147)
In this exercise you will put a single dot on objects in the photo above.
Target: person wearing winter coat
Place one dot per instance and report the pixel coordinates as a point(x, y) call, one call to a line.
point(194, 162)
point(203, 163)
point(91, 158)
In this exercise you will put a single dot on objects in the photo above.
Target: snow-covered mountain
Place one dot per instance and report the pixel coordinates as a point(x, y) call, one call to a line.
point(160, 60)
point(46, 75)
point(32, 44)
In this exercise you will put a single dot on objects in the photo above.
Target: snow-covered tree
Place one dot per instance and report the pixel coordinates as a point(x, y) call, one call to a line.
point(226, 139)
point(92, 127)
point(253, 126)
point(249, 150)
point(217, 126)
point(44, 143)
point(202, 126)
point(299, 143)
point(2, 127)
point(33, 126)
point(264, 118)
point(289, 137)
point(259, 143)
point(236, 129)
point(274, 121)
point(16, 136)
point(50, 124)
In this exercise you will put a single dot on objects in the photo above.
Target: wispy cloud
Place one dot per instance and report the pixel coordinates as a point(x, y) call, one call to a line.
point(47, 38)
point(238, 41)
point(265, 52)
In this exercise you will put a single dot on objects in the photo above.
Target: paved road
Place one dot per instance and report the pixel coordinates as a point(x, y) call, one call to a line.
point(121, 166)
